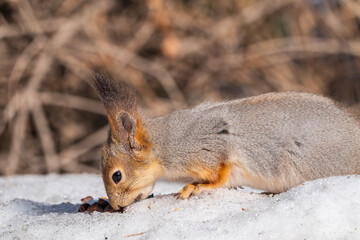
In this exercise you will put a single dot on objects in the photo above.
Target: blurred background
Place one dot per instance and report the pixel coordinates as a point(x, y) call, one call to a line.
point(176, 53)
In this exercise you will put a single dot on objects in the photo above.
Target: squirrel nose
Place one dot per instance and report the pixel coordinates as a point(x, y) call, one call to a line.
point(115, 205)
point(138, 197)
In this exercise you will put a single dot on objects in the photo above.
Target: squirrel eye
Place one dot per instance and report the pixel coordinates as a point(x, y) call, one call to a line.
point(116, 177)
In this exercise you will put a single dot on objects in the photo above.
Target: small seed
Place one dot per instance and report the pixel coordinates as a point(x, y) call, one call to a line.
point(86, 199)
point(103, 203)
point(109, 209)
point(83, 207)
point(95, 208)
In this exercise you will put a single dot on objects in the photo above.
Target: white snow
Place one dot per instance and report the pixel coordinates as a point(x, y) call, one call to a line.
point(45, 207)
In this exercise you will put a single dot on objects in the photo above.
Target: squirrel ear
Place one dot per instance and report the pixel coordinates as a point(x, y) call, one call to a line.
point(119, 100)
point(127, 128)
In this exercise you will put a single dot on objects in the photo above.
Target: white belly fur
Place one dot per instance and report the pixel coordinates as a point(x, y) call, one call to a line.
point(241, 176)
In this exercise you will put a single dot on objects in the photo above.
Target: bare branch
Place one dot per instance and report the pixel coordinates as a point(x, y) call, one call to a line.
point(46, 139)
point(70, 101)
point(76, 150)
point(18, 136)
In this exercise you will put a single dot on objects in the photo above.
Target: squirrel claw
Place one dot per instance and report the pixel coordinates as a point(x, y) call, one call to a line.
point(188, 191)
point(177, 195)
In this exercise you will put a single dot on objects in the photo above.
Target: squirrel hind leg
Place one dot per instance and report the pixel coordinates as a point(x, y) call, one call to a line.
point(215, 180)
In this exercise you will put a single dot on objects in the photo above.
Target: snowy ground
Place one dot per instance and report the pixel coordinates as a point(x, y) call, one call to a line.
point(45, 207)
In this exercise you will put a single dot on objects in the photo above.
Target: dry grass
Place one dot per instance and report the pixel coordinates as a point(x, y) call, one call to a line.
point(175, 53)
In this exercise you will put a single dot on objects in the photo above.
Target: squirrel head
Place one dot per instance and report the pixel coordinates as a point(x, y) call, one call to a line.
point(129, 167)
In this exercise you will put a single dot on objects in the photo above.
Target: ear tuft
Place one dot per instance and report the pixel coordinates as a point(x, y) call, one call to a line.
point(119, 101)
point(116, 96)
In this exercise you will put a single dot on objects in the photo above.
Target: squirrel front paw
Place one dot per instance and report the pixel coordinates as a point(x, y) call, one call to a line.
point(215, 180)
point(186, 192)
point(193, 189)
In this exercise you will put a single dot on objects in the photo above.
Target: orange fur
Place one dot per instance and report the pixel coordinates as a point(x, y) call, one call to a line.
point(140, 171)
point(141, 136)
point(211, 178)
point(202, 172)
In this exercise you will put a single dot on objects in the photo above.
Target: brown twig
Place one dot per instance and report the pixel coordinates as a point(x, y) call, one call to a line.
point(134, 235)
point(75, 65)
point(149, 67)
point(125, 56)
point(302, 45)
point(16, 145)
point(28, 16)
point(42, 66)
point(18, 136)
point(47, 26)
point(46, 139)
point(83, 146)
point(23, 61)
point(70, 101)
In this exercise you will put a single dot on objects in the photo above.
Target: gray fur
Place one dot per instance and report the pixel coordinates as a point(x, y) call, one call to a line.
point(287, 138)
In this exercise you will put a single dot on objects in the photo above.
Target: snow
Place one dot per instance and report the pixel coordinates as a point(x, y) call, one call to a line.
point(45, 207)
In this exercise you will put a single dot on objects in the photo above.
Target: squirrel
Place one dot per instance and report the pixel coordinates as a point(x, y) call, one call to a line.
point(271, 142)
